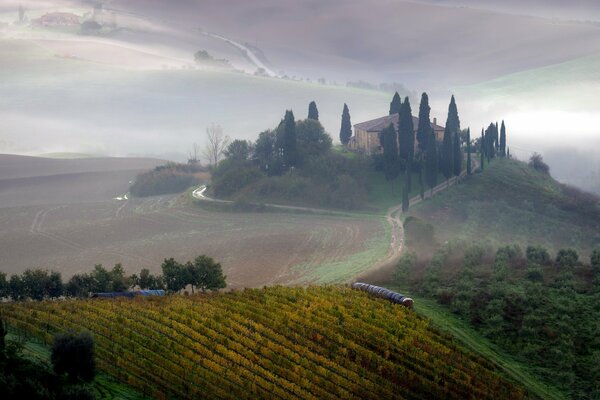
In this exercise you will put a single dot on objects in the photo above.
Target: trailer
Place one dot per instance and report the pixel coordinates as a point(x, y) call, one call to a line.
point(384, 293)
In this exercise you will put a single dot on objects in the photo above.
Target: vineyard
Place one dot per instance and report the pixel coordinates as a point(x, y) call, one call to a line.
point(319, 342)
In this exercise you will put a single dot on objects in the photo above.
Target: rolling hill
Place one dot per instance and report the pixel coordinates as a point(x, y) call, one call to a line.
point(325, 342)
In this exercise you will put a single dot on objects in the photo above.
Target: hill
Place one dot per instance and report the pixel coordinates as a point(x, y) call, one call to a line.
point(512, 203)
point(325, 342)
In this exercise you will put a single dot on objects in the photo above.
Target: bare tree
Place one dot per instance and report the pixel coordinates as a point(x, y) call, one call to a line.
point(216, 144)
point(193, 154)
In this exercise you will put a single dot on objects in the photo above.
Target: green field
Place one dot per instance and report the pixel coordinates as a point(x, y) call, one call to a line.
point(512, 203)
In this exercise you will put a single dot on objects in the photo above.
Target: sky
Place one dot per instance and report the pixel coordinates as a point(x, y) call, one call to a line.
point(137, 90)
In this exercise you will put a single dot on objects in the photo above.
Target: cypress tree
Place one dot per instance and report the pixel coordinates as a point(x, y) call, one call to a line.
point(395, 104)
point(469, 167)
point(431, 160)
point(290, 152)
point(390, 153)
point(421, 179)
point(453, 122)
point(346, 129)
point(447, 153)
point(313, 112)
point(508, 152)
point(424, 123)
point(503, 140)
point(496, 139)
point(406, 132)
point(482, 149)
point(457, 154)
point(490, 140)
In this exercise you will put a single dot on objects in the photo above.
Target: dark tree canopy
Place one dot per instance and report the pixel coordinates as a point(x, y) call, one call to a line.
point(537, 162)
point(482, 150)
point(469, 166)
point(424, 123)
point(406, 132)
point(431, 161)
point(313, 112)
point(503, 139)
point(395, 104)
point(453, 122)
point(390, 153)
point(448, 153)
point(73, 354)
point(457, 154)
point(205, 274)
point(312, 138)
point(290, 151)
point(238, 150)
point(346, 128)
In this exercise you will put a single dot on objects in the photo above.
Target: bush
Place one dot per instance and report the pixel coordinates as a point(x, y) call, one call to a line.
point(567, 258)
point(538, 255)
point(537, 162)
point(166, 179)
point(73, 355)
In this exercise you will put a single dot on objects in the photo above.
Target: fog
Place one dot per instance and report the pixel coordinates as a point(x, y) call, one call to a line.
point(135, 89)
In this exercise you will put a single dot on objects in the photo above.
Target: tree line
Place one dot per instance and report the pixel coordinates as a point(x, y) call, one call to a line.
point(203, 274)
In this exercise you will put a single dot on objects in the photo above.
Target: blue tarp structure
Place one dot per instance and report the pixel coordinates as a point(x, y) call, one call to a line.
point(130, 294)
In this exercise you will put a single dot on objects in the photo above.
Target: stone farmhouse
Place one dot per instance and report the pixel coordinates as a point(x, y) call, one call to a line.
point(366, 134)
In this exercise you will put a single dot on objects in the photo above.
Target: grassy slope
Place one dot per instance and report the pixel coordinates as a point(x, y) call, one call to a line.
point(474, 341)
point(326, 342)
point(106, 387)
point(511, 203)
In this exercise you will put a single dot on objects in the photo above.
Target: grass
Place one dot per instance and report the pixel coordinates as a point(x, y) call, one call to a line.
point(344, 270)
point(105, 387)
point(474, 341)
point(512, 203)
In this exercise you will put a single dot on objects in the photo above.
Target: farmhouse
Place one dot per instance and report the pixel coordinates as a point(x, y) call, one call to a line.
point(57, 19)
point(366, 134)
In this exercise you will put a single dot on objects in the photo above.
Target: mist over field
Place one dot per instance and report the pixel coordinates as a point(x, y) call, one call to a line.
point(135, 89)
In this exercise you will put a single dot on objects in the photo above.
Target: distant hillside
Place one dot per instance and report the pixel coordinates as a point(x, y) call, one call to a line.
point(314, 343)
point(512, 203)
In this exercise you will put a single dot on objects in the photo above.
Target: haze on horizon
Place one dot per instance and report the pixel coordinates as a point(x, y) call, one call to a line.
point(137, 89)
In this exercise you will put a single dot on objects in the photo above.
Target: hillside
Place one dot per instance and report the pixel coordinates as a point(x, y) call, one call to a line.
point(325, 342)
point(512, 203)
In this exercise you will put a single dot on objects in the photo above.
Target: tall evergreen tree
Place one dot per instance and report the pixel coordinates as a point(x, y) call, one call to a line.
point(424, 123)
point(457, 154)
point(313, 112)
point(406, 135)
point(508, 152)
point(390, 153)
point(431, 160)
point(290, 151)
point(490, 140)
point(406, 132)
point(346, 129)
point(453, 122)
point(496, 139)
point(447, 154)
point(395, 104)
point(503, 140)
point(482, 150)
point(469, 167)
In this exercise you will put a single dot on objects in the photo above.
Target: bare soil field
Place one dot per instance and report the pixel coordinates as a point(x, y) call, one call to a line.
point(70, 222)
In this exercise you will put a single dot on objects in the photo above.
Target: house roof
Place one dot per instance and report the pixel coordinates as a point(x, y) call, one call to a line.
point(379, 124)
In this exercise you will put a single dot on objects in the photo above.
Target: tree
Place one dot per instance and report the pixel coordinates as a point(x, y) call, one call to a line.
point(238, 150)
point(482, 150)
point(174, 275)
point(447, 154)
point(406, 132)
point(4, 292)
point(346, 128)
point(312, 138)
point(289, 142)
point(313, 112)
point(264, 150)
point(595, 261)
point(503, 140)
point(469, 167)
point(73, 354)
point(567, 258)
point(424, 123)
point(216, 144)
point(395, 104)
point(206, 274)
point(39, 284)
point(537, 255)
point(146, 280)
point(536, 161)
point(431, 161)
point(453, 122)
point(457, 155)
point(390, 153)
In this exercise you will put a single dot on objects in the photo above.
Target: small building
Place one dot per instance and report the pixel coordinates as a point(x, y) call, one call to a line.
point(366, 134)
point(57, 19)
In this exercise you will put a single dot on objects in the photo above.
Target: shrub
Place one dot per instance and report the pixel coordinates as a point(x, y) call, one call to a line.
point(567, 258)
point(73, 354)
point(538, 255)
point(537, 162)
